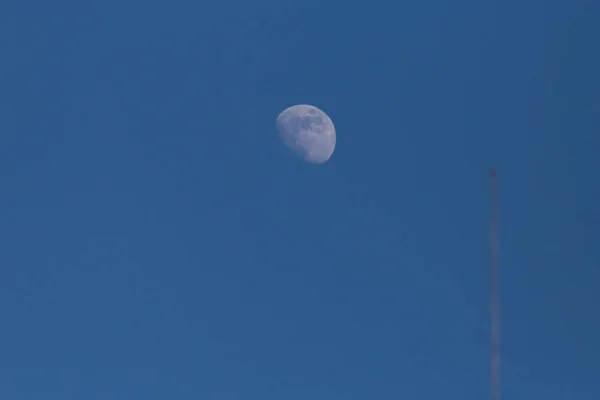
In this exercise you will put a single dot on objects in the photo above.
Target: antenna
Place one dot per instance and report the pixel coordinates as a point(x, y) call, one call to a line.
point(494, 290)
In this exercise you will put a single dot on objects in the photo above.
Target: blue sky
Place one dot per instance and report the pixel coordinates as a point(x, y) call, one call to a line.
point(158, 241)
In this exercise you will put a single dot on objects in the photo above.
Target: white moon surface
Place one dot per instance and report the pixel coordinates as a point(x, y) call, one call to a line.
point(308, 132)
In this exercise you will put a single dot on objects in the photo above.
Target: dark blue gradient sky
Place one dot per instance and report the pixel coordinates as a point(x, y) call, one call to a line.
point(157, 241)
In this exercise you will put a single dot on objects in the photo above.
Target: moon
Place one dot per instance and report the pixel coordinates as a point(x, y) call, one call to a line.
point(308, 132)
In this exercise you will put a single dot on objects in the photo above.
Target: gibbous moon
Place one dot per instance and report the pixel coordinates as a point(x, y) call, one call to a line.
point(308, 132)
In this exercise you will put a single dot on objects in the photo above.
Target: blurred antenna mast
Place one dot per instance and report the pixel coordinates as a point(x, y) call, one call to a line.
point(494, 290)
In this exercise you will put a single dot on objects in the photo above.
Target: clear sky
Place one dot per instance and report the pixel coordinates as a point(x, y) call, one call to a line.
point(157, 241)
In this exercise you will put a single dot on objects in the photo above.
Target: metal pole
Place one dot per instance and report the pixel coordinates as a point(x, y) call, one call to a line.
point(494, 291)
